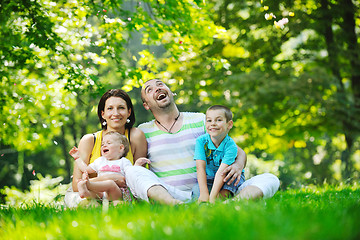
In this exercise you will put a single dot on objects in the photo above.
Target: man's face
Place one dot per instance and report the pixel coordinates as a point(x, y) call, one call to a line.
point(156, 94)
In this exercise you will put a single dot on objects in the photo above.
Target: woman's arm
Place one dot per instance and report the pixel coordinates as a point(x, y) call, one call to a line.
point(218, 182)
point(201, 176)
point(234, 170)
point(138, 143)
point(86, 145)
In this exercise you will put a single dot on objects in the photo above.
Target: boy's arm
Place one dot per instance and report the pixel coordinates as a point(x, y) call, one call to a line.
point(201, 176)
point(234, 170)
point(218, 182)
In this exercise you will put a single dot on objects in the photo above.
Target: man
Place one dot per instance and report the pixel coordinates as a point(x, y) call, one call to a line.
point(171, 138)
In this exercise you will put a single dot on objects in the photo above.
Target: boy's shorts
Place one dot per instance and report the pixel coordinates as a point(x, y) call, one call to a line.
point(210, 182)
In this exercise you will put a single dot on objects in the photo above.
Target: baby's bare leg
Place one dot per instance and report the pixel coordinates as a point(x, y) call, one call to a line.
point(117, 178)
point(84, 191)
point(108, 186)
point(85, 176)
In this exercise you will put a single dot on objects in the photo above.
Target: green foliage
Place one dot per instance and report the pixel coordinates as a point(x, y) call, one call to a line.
point(46, 191)
point(40, 65)
point(294, 91)
point(285, 91)
point(64, 49)
point(309, 213)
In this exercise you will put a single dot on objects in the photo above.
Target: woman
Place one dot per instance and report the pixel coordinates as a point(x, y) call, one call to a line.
point(116, 113)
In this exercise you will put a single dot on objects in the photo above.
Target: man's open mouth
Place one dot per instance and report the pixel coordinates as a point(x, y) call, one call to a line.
point(161, 96)
point(105, 150)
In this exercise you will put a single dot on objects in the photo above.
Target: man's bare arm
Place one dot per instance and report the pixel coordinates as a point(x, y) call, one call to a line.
point(233, 171)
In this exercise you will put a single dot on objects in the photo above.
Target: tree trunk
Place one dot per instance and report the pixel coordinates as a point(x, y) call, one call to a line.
point(352, 53)
point(346, 154)
point(20, 172)
point(65, 150)
point(349, 34)
point(350, 122)
point(327, 20)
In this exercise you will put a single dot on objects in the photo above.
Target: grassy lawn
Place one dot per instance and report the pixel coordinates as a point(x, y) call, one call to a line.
point(311, 213)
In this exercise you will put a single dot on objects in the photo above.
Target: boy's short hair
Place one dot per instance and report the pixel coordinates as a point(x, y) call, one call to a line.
point(122, 139)
point(227, 111)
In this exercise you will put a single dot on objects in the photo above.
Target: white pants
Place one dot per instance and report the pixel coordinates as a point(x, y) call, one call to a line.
point(267, 182)
point(72, 199)
point(140, 180)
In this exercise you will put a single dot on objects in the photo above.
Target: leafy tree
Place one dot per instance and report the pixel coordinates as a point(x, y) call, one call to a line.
point(292, 89)
point(42, 63)
point(59, 57)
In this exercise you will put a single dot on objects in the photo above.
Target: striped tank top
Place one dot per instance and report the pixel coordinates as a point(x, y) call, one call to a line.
point(172, 154)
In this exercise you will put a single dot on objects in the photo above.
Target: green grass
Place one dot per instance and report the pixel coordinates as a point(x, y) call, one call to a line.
point(316, 213)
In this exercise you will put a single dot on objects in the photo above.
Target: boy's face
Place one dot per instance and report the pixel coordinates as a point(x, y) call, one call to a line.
point(216, 124)
point(111, 148)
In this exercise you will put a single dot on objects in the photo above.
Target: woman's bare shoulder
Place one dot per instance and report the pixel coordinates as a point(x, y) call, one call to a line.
point(88, 139)
point(136, 133)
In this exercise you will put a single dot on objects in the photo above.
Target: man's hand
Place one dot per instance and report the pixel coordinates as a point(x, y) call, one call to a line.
point(232, 172)
point(142, 161)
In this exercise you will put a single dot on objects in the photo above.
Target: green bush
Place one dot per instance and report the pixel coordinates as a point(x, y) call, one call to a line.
point(46, 190)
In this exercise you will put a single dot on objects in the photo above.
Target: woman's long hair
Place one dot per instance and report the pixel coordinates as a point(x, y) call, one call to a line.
point(121, 94)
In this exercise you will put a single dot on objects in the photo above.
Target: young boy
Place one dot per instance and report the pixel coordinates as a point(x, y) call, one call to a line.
point(214, 151)
point(114, 147)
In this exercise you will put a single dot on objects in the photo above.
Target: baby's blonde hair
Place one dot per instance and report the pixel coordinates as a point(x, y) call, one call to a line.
point(122, 139)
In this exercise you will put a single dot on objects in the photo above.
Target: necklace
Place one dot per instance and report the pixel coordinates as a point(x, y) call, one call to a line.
point(169, 130)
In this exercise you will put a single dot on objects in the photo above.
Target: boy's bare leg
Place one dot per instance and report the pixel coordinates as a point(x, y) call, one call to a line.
point(108, 186)
point(161, 195)
point(249, 192)
point(224, 193)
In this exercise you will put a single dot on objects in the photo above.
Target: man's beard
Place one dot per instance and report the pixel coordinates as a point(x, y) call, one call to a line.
point(165, 105)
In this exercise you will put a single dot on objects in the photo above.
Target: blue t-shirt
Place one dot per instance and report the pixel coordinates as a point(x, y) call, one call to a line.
point(206, 150)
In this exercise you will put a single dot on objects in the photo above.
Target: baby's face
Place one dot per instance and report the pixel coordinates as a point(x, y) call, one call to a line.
point(110, 148)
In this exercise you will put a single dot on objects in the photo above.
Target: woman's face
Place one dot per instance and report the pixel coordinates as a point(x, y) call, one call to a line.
point(115, 113)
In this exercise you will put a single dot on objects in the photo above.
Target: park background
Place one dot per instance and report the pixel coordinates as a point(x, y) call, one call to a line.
point(293, 86)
